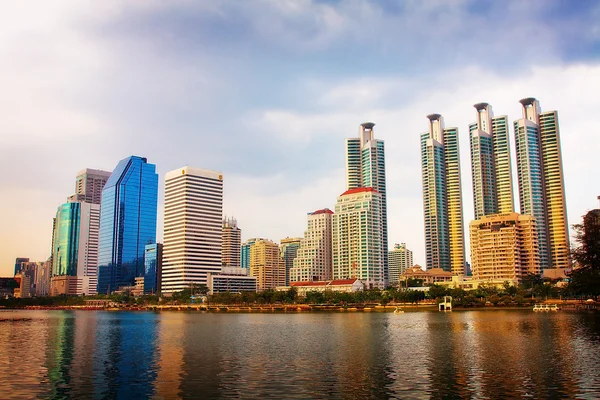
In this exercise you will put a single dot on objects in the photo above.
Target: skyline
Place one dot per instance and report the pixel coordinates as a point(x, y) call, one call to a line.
point(71, 86)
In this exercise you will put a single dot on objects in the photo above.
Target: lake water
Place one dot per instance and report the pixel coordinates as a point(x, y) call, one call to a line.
point(462, 354)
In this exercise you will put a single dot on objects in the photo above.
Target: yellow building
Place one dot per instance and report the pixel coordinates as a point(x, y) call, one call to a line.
point(266, 265)
point(504, 247)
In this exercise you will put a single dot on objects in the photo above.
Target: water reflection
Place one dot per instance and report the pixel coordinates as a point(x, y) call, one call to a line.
point(475, 354)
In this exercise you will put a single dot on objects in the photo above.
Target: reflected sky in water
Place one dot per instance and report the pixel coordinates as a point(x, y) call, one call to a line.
point(470, 354)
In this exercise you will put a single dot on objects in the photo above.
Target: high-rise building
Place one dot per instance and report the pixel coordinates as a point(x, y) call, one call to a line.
point(400, 259)
point(89, 185)
point(193, 227)
point(541, 182)
point(314, 260)
point(504, 247)
point(288, 250)
point(232, 243)
point(75, 245)
point(442, 197)
point(266, 265)
point(127, 223)
point(357, 237)
point(365, 167)
point(153, 268)
point(490, 163)
point(18, 262)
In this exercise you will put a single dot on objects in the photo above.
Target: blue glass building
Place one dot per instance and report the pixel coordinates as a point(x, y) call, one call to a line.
point(153, 268)
point(127, 223)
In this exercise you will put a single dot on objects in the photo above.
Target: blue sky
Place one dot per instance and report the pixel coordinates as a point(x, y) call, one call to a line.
point(266, 91)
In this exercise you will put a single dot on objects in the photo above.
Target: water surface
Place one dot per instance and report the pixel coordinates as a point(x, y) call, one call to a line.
point(462, 354)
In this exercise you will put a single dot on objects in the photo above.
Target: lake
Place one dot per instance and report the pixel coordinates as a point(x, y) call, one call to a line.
point(484, 354)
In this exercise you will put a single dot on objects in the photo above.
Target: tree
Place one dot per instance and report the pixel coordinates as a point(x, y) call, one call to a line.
point(437, 291)
point(585, 280)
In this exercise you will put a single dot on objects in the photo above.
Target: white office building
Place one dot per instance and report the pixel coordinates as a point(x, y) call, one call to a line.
point(192, 227)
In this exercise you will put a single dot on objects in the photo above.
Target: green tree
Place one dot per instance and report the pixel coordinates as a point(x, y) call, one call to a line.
point(437, 292)
point(585, 279)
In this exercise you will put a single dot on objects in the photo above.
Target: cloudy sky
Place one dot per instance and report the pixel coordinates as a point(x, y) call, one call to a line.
point(266, 91)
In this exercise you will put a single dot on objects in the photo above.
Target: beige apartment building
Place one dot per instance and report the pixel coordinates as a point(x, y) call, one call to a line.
point(313, 260)
point(266, 265)
point(504, 247)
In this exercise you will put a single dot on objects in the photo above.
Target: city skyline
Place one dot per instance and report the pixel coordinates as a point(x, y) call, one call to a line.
point(299, 123)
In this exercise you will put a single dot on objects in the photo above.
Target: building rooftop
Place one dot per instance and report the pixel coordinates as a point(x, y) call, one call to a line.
point(359, 190)
point(323, 211)
point(368, 125)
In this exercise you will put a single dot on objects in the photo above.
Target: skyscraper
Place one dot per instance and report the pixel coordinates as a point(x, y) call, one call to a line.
point(232, 243)
point(541, 182)
point(75, 246)
point(89, 185)
point(442, 197)
point(490, 163)
point(314, 257)
point(365, 167)
point(193, 227)
point(400, 259)
point(288, 250)
point(127, 222)
point(357, 234)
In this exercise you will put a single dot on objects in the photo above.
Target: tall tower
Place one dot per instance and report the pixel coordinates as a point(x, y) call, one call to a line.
point(127, 223)
point(541, 181)
point(442, 197)
point(365, 167)
point(490, 163)
point(232, 243)
point(193, 227)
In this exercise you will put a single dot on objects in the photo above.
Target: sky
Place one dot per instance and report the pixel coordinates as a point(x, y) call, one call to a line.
point(266, 91)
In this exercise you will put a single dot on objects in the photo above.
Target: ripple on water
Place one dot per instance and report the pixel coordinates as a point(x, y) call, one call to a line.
point(471, 354)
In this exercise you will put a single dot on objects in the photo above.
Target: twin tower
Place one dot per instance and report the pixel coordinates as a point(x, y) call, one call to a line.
point(540, 179)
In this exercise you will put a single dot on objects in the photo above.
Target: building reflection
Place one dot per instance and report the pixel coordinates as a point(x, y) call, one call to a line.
point(125, 357)
point(170, 349)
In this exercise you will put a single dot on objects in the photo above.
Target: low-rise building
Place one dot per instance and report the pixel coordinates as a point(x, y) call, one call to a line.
point(337, 285)
point(233, 280)
point(471, 283)
point(65, 285)
point(433, 275)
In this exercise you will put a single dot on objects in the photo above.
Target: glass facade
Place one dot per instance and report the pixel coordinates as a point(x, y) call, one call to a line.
point(66, 240)
point(152, 268)
point(127, 223)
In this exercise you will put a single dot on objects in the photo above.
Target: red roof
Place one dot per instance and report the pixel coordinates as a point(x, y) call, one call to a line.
point(309, 283)
point(343, 282)
point(323, 211)
point(359, 190)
